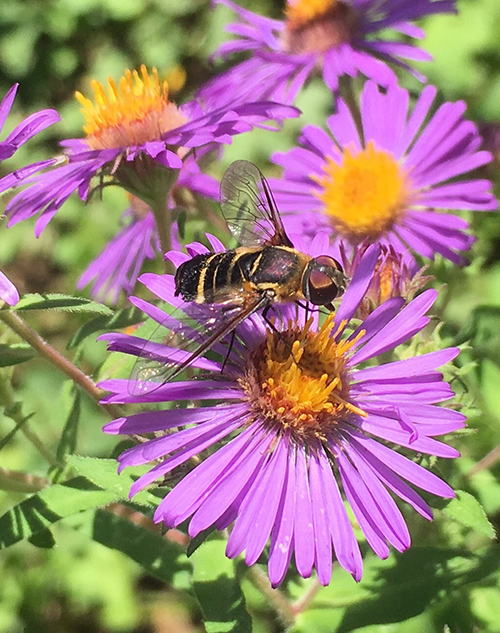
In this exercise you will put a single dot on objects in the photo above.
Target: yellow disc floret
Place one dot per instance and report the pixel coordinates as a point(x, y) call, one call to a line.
point(365, 193)
point(299, 379)
point(303, 11)
point(133, 112)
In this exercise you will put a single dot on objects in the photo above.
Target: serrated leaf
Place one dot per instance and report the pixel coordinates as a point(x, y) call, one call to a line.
point(119, 320)
point(65, 303)
point(40, 511)
point(15, 354)
point(157, 555)
point(218, 590)
point(103, 473)
point(467, 510)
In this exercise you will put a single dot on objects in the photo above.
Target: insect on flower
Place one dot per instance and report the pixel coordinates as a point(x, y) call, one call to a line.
point(264, 270)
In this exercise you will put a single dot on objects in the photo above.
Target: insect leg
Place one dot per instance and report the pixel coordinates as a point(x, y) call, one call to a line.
point(231, 342)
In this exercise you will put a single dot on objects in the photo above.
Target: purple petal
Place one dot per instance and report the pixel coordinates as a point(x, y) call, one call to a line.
point(303, 524)
point(357, 288)
point(8, 292)
point(180, 390)
point(6, 104)
point(401, 328)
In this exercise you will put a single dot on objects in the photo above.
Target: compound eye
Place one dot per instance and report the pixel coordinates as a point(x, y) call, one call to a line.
point(322, 289)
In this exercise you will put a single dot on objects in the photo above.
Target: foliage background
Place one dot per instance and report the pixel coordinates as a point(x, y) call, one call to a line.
point(54, 47)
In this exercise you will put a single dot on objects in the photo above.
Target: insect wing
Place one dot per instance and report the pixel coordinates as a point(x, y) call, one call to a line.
point(182, 340)
point(249, 208)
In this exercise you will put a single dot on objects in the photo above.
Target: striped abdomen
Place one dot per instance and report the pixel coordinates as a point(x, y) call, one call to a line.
point(209, 278)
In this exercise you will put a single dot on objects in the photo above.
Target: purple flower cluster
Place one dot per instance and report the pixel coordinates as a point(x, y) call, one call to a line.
point(306, 424)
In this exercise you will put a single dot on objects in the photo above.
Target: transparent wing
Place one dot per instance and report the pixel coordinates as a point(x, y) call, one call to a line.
point(183, 338)
point(249, 208)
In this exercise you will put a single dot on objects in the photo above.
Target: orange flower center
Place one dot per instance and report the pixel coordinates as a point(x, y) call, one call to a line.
point(298, 379)
point(365, 194)
point(133, 112)
point(317, 25)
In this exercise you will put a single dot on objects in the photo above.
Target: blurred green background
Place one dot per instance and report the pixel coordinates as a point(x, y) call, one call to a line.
point(54, 48)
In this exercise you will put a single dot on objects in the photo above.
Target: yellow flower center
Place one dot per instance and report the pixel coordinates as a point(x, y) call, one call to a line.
point(314, 26)
point(133, 112)
point(365, 194)
point(303, 11)
point(298, 379)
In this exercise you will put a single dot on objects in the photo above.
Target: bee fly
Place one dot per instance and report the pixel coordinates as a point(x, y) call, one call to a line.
point(264, 270)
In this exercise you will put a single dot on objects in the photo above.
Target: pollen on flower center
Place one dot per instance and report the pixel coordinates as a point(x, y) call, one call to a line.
point(298, 379)
point(317, 25)
point(364, 194)
point(133, 112)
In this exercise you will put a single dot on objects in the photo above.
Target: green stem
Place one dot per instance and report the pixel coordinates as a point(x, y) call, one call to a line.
point(163, 221)
point(14, 411)
point(22, 329)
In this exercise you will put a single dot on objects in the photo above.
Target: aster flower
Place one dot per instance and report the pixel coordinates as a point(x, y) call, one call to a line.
point(305, 426)
point(138, 138)
point(22, 133)
point(390, 183)
point(117, 267)
point(337, 37)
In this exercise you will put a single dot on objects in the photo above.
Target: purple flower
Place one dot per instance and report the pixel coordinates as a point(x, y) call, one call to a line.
point(139, 139)
point(117, 267)
point(390, 183)
point(338, 37)
point(19, 136)
point(304, 425)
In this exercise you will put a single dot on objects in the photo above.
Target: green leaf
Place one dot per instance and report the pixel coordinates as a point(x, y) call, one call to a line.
point(66, 303)
point(43, 539)
point(103, 473)
point(218, 590)
point(198, 540)
point(37, 513)
point(15, 354)
point(68, 440)
point(121, 319)
point(11, 434)
point(396, 589)
point(467, 510)
point(157, 555)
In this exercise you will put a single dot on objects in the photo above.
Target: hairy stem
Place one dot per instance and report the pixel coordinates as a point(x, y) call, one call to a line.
point(22, 329)
point(305, 600)
point(274, 597)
